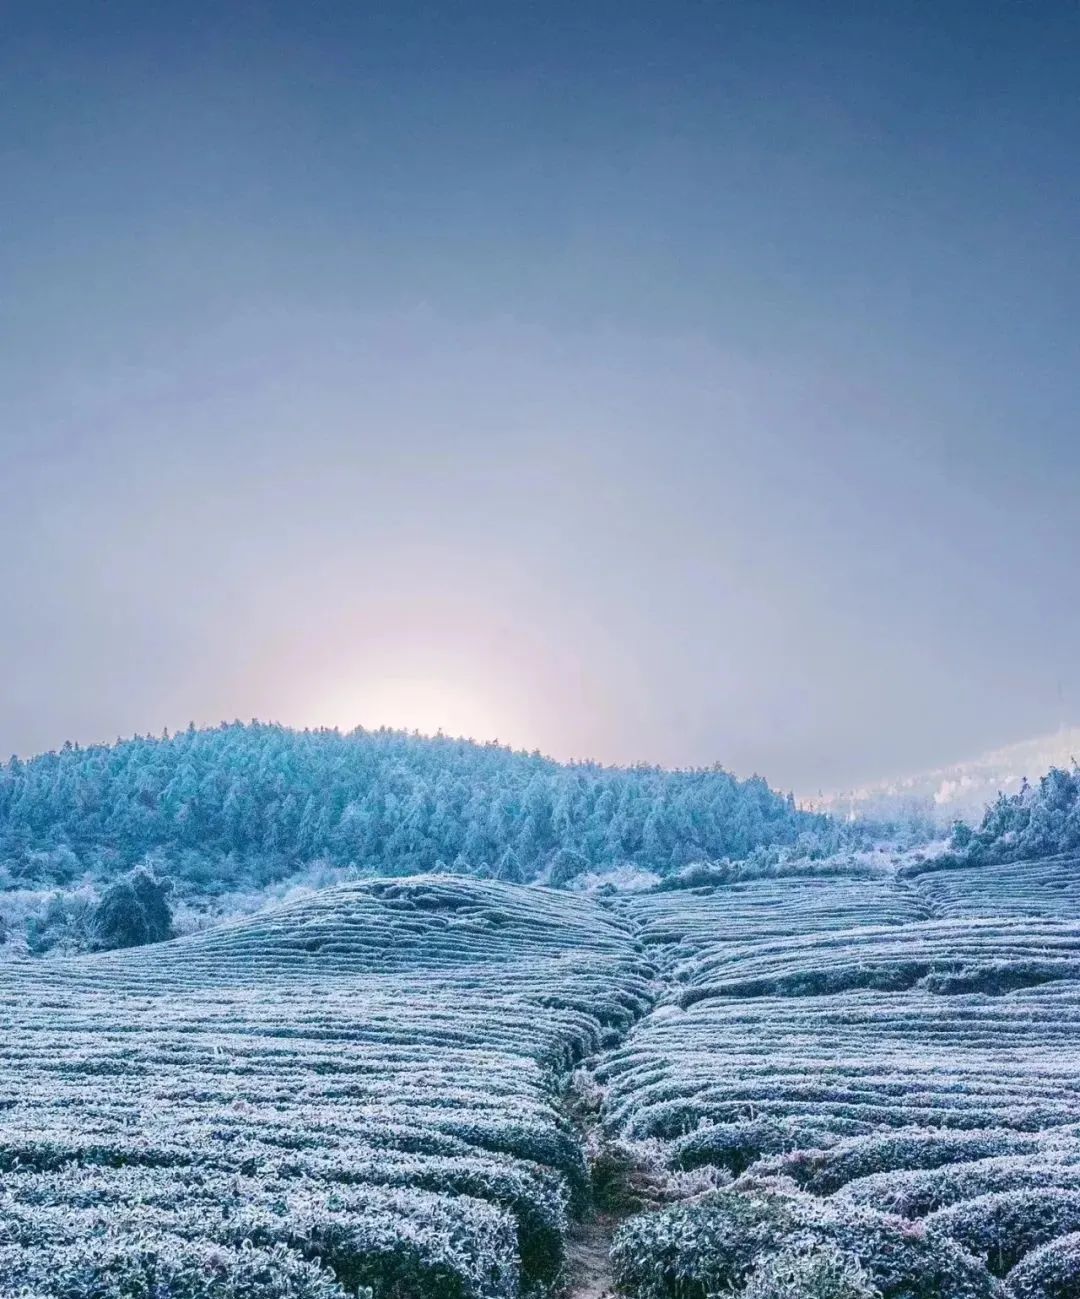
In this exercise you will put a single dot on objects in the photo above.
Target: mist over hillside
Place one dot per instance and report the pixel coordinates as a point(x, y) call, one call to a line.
point(959, 790)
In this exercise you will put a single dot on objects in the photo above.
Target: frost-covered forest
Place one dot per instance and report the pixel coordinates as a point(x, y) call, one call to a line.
point(114, 845)
point(258, 798)
point(227, 815)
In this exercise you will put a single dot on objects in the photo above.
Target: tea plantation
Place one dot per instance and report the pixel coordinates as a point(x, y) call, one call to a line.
point(861, 1086)
point(1044, 888)
point(887, 1103)
point(357, 1091)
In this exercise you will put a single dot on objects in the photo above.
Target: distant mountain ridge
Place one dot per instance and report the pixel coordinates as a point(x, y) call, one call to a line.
point(960, 790)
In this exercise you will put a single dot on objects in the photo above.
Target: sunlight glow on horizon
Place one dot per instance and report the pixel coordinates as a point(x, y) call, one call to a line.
point(544, 377)
point(430, 705)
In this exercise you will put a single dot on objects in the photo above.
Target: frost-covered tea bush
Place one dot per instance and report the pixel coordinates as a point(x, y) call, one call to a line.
point(753, 910)
point(917, 1192)
point(811, 1088)
point(695, 1250)
point(810, 1272)
point(360, 1087)
point(903, 1081)
point(723, 1241)
point(984, 955)
point(856, 1054)
point(1002, 1227)
point(1050, 888)
point(1052, 1272)
point(163, 1267)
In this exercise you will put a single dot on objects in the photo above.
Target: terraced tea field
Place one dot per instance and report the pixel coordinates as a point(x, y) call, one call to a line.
point(894, 1104)
point(355, 1091)
point(823, 1086)
point(1045, 888)
point(682, 921)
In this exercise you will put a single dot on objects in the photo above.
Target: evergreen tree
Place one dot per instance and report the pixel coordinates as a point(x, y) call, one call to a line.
point(566, 866)
point(510, 871)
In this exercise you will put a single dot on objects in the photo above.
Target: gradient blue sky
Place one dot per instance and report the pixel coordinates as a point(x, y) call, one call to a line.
point(670, 381)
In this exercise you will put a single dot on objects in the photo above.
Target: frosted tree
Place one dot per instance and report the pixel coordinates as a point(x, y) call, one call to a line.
point(132, 912)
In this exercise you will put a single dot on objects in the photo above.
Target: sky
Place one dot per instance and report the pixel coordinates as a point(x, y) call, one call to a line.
point(688, 382)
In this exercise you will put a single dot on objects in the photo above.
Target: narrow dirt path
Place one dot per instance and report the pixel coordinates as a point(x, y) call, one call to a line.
point(587, 1271)
point(587, 1262)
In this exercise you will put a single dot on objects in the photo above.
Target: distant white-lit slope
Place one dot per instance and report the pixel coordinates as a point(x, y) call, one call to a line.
point(960, 790)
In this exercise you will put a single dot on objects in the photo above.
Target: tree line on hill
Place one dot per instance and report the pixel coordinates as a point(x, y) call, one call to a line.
point(99, 846)
point(240, 807)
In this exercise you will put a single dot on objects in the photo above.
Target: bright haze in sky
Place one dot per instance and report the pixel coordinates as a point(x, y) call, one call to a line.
point(680, 382)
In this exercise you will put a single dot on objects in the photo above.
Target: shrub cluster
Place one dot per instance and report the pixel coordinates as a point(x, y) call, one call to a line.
point(754, 1238)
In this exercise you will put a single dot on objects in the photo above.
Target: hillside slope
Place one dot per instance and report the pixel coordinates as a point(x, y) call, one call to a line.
point(871, 1091)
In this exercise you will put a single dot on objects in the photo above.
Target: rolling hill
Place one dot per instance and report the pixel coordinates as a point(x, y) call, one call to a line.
point(357, 1090)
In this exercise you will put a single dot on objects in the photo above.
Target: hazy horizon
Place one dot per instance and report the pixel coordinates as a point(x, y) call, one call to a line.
point(686, 384)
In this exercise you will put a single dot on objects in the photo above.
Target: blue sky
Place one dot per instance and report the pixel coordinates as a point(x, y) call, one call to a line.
point(679, 382)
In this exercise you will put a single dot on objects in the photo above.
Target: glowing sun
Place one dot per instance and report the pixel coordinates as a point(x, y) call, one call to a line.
point(414, 703)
